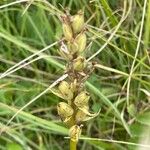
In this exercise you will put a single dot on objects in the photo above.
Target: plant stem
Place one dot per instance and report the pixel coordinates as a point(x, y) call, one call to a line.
point(73, 145)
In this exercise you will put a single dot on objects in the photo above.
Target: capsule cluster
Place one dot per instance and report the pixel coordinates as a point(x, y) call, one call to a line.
point(75, 38)
point(75, 108)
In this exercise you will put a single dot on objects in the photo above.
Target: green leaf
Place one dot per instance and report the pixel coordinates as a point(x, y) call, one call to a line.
point(106, 101)
point(131, 110)
point(35, 120)
point(144, 118)
point(13, 146)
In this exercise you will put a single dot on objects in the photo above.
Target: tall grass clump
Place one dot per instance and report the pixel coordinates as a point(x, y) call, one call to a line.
point(61, 62)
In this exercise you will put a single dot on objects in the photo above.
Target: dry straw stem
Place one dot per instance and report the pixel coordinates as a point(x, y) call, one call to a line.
point(134, 76)
point(111, 69)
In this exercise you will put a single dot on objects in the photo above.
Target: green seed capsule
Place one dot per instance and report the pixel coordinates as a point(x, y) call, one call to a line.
point(79, 64)
point(74, 133)
point(82, 99)
point(78, 22)
point(64, 110)
point(67, 31)
point(64, 88)
point(81, 42)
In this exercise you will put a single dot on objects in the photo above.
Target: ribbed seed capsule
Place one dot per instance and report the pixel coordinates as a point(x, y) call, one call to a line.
point(64, 88)
point(82, 99)
point(64, 110)
point(67, 31)
point(79, 64)
point(81, 42)
point(78, 22)
point(74, 133)
point(80, 116)
point(73, 47)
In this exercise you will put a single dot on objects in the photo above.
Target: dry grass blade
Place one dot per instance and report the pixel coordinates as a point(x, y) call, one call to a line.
point(27, 7)
point(116, 141)
point(124, 16)
point(21, 66)
point(13, 3)
point(113, 141)
point(35, 98)
point(111, 69)
point(136, 52)
point(10, 70)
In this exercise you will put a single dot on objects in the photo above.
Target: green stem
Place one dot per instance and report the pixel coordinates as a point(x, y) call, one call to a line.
point(73, 145)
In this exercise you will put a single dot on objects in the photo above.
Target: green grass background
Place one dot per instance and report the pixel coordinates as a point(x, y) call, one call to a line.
point(125, 111)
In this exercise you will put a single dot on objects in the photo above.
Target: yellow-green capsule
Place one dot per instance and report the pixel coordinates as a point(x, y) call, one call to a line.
point(64, 88)
point(67, 31)
point(64, 110)
point(79, 63)
point(74, 133)
point(80, 116)
point(82, 99)
point(78, 22)
point(81, 42)
point(73, 47)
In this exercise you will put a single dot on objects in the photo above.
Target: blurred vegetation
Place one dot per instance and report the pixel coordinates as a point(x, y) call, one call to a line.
point(125, 106)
